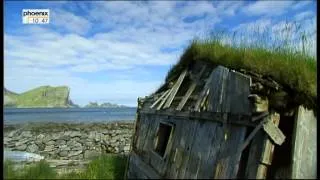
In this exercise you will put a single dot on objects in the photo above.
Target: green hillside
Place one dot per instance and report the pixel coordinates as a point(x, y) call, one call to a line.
point(44, 96)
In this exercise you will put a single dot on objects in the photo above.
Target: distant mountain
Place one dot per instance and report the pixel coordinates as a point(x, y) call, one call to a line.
point(43, 96)
point(104, 105)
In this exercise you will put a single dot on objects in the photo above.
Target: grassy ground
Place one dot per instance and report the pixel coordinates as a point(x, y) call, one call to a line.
point(104, 167)
point(293, 69)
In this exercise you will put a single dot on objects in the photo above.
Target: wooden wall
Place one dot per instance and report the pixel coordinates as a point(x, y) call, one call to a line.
point(198, 148)
point(304, 160)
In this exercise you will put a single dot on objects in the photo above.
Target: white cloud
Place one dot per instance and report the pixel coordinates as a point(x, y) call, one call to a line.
point(256, 26)
point(301, 4)
point(268, 8)
point(69, 21)
point(124, 36)
point(304, 15)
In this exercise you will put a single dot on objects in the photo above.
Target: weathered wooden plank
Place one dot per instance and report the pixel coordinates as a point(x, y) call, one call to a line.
point(176, 154)
point(145, 171)
point(214, 133)
point(160, 98)
point(218, 89)
point(238, 90)
point(228, 159)
point(274, 132)
point(187, 95)
point(267, 151)
point(210, 116)
point(258, 154)
point(191, 89)
point(200, 151)
point(186, 142)
point(304, 165)
point(175, 89)
point(164, 99)
point(204, 91)
point(145, 123)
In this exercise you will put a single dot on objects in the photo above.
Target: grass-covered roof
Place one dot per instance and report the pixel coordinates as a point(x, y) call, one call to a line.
point(296, 71)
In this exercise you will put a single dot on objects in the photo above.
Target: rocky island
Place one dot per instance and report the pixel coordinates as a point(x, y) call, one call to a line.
point(40, 97)
point(104, 105)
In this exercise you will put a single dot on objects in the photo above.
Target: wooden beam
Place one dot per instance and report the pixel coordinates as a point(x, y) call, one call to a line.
point(158, 100)
point(204, 91)
point(274, 132)
point(267, 151)
point(251, 136)
point(191, 89)
point(260, 116)
point(175, 89)
point(261, 152)
point(237, 119)
point(164, 99)
point(186, 97)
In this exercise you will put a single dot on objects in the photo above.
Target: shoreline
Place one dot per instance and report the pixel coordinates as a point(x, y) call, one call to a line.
point(13, 126)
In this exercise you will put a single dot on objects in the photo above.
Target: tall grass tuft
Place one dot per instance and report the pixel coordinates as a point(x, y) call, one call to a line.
point(39, 170)
point(260, 52)
point(104, 167)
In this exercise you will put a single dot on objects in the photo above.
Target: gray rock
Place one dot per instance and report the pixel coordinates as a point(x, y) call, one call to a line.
point(64, 147)
point(49, 148)
point(40, 136)
point(74, 153)
point(77, 157)
point(67, 133)
point(73, 144)
point(63, 153)
point(50, 143)
point(77, 148)
point(75, 134)
point(26, 134)
point(33, 148)
point(126, 148)
point(60, 142)
point(116, 149)
point(22, 147)
point(22, 142)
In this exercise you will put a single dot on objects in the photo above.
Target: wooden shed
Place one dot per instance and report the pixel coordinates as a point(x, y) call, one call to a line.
point(213, 122)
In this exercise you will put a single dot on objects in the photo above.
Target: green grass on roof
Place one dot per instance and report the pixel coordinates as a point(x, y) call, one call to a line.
point(294, 70)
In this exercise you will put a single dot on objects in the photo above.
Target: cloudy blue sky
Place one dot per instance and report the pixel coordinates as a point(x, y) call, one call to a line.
point(110, 51)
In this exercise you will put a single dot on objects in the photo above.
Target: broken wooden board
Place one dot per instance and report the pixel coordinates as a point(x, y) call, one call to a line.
point(204, 91)
point(160, 98)
point(175, 89)
point(274, 132)
point(164, 99)
point(190, 90)
point(261, 152)
point(267, 151)
point(186, 97)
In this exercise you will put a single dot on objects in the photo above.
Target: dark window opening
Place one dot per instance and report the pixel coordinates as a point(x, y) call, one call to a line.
point(163, 138)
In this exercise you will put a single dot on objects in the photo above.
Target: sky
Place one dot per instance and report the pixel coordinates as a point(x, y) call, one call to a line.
point(117, 51)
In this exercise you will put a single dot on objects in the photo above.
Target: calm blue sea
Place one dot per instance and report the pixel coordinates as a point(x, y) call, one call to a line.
point(74, 115)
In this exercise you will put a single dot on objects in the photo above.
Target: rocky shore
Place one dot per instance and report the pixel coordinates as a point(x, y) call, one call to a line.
point(68, 141)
